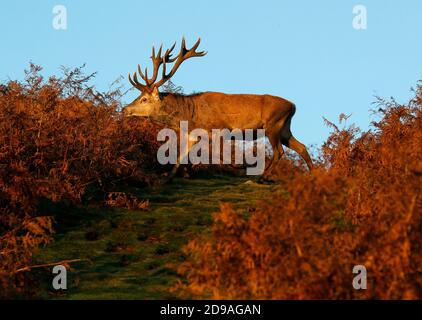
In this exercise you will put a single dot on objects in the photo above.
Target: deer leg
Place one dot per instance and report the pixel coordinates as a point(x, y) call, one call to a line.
point(280, 148)
point(182, 156)
point(289, 141)
point(301, 150)
point(175, 169)
point(276, 146)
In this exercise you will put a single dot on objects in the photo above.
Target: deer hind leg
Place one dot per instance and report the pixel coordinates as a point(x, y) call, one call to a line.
point(291, 142)
point(280, 148)
point(277, 147)
point(301, 150)
point(275, 156)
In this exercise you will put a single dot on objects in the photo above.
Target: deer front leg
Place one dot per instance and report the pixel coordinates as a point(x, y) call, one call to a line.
point(184, 155)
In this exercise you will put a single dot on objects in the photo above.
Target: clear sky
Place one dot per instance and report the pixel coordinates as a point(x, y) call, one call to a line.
point(306, 51)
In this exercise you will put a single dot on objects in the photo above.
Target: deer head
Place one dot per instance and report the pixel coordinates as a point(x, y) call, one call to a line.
point(149, 102)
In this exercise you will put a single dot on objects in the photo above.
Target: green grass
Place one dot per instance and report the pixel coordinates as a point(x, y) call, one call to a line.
point(134, 254)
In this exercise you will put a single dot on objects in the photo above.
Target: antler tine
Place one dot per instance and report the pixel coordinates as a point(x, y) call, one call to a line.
point(183, 45)
point(146, 77)
point(183, 55)
point(135, 78)
point(131, 81)
point(159, 51)
point(140, 72)
point(201, 53)
point(192, 51)
point(159, 60)
point(168, 54)
point(196, 45)
point(135, 82)
point(153, 56)
point(156, 61)
point(164, 68)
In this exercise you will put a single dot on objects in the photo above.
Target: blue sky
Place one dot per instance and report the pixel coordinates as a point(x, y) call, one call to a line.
point(306, 51)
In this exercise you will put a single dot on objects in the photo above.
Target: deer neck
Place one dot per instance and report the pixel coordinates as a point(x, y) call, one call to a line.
point(178, 108)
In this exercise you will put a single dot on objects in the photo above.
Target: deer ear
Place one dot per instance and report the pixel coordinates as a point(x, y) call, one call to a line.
point(155, 93)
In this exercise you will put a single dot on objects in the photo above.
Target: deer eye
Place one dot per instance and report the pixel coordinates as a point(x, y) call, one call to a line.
point(143, 99)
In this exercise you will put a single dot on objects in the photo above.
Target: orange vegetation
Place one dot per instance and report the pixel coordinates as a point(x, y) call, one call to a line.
point(60, 140)
point(362, 205)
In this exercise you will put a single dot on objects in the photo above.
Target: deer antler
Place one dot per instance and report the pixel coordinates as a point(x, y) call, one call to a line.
point(184, 54)
point(159, 60)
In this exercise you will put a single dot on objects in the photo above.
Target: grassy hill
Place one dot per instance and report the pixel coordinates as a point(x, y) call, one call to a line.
point(134, 254)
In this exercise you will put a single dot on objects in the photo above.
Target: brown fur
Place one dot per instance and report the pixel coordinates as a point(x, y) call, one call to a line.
point(215, 110)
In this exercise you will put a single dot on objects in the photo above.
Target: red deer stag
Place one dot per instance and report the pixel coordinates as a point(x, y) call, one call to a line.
point(213, 110)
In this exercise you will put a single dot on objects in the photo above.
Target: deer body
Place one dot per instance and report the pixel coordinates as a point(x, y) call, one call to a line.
point(215, 110)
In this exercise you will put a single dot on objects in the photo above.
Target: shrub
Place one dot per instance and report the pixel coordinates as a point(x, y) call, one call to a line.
point(61, 140)
point(361, 206)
